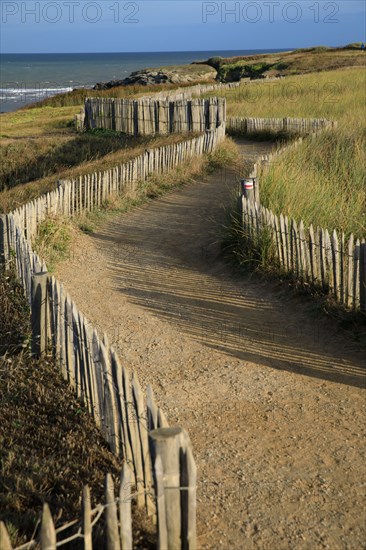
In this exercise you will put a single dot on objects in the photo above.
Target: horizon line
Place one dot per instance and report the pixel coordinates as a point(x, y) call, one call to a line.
point(156, 51)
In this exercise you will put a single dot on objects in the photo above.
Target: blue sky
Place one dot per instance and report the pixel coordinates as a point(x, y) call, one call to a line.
point(174, 25)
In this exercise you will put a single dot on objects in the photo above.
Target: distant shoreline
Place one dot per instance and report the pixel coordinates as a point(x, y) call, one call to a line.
point(267, 50)
point(26, 78)
point(21, 72)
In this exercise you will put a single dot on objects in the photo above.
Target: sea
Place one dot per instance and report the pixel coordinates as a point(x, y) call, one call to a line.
point(28, 78)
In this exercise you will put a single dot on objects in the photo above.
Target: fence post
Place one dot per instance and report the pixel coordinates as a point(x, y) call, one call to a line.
point(247, 188)
point(188, 481)
point(5, 543)
point(256, 190)
point(160, 503)
point(363, 277)
point(240, 210)
point(124, 506)
point(165, 445)
point(4, 248)
point(112, 534)
point(175, 488)
point(39, 313)
point(86, 519)
point(48, 533)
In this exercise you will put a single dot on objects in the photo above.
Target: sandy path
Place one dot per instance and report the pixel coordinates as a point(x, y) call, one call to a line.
point(271, 396)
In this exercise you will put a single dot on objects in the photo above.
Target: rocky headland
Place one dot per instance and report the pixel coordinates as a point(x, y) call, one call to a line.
point(182, 74)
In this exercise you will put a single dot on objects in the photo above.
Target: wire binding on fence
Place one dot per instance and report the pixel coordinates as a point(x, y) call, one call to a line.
point(126, 497)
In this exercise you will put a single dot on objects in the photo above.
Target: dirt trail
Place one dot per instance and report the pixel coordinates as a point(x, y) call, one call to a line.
point(270, 395)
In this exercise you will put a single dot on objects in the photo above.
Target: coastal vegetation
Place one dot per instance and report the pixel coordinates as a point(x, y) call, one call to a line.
point(322, 181)
point(301, 61)
point(40, 146)
point(40, 143)
point(49, 445)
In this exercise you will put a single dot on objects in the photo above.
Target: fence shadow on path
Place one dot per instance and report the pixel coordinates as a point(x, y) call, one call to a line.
point(165, 257)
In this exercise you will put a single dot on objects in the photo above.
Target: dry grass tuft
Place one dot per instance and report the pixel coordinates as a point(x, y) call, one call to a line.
point(322, 182)
point(52, 242)
point(49, 445)
point(30, 166)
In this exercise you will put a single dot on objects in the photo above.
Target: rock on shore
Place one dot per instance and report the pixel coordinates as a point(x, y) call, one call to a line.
point(182, 74)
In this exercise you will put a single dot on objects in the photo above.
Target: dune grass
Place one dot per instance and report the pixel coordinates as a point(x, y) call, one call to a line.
point(40, 146)
point(42, 121)
point(332, 94)
point(301, 61)
point(49, 445)
point(323, 180)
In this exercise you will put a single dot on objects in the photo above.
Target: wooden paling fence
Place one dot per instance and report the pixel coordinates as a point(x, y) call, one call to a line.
point(92, 368)
point(274, 125)
point(116, 512)
point(174, 474)
point(197, 89)
point(86, 192)
point(134, 426)
point(149, 116)
point(158, 460)
point(182, 93)
point(312, 254)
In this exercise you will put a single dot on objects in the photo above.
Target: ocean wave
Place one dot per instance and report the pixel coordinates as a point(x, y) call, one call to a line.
point(20, 91)
point(27, 94)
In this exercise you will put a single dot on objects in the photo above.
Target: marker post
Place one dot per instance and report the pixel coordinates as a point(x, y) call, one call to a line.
point(248, 189)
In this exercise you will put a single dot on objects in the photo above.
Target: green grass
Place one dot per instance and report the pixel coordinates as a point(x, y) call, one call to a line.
point(301, 61)
point(323, 180)
point(246, 252)
point(40, 146)
point(53, 241)
point(240, 69)
point(38, 122)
